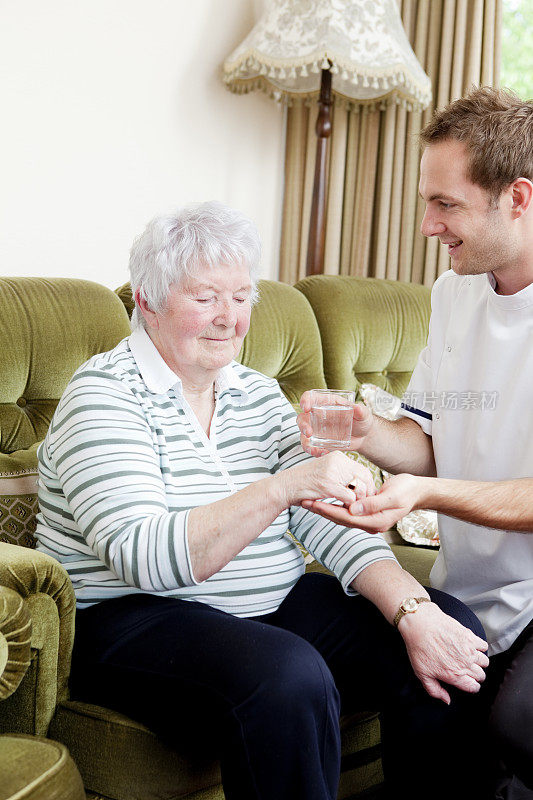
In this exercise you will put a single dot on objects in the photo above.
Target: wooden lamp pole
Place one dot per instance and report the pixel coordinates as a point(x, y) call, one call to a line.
point(317, 223)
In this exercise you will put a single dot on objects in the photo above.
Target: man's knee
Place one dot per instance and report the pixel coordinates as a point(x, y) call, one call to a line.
point(510, 724)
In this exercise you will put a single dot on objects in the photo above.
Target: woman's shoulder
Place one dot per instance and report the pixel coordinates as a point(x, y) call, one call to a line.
point(252, 378)
point(102, 370)
point(255, 384)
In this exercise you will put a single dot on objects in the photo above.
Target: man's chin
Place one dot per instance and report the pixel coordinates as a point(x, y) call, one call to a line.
point(461, 267)
point(458, 268)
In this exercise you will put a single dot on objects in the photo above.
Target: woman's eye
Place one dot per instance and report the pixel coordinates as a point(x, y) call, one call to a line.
point(204, 299)
point(240, 299)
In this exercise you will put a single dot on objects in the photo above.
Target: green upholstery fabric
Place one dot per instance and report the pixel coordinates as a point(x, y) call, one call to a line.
point(124, 293)
point(33, 768)
point(283, 341)
point(415, 560)
point(48, 596)
point(142, 766)
point(15, 638)
point(360, 755)
point(372, 330)
point(47, 329)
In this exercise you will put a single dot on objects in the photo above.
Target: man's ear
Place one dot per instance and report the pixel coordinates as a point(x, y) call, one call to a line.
point(149, 315)
point(521, 196)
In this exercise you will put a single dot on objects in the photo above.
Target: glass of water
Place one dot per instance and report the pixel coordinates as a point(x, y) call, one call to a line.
point(331, 418)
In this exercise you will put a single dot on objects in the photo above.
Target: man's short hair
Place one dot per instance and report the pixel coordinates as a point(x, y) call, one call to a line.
point(497, 128)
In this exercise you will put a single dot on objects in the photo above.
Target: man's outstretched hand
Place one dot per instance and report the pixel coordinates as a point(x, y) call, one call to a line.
point(398, 496)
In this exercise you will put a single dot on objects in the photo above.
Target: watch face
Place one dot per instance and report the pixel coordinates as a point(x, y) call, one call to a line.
point(410, 604)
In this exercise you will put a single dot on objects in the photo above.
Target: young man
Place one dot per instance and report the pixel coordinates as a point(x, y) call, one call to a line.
point(462, 445)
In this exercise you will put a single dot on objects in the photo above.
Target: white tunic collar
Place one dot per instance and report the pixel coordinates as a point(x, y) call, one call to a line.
point(510, 302)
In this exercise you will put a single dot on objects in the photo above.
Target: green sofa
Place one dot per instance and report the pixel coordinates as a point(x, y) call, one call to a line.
point(326, 330)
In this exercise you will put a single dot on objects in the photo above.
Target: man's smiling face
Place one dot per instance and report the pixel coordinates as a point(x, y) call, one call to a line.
point(475, 229)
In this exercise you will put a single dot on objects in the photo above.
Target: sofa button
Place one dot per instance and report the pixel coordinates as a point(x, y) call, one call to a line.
point(21, 402)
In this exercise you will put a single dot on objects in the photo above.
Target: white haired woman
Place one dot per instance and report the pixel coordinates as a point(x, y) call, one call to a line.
point(168, 481)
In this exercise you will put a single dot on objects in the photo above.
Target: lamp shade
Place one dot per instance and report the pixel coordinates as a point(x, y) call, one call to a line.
point(362, 42)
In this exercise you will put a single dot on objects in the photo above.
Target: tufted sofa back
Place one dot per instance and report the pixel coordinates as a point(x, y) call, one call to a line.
point(48, 327)
point(372, 329)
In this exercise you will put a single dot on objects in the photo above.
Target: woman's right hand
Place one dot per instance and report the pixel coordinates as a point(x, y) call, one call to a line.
point(362, 422)
point(329, 476)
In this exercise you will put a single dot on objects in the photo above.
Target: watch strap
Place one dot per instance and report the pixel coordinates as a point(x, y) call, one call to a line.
point(402, 611)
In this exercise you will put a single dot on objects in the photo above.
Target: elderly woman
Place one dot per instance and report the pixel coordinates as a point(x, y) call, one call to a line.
point(169, 478)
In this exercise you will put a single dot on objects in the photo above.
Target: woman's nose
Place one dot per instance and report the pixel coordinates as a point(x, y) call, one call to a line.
point(226, 314)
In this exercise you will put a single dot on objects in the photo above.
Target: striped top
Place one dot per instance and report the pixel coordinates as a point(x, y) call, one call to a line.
point(125, 460)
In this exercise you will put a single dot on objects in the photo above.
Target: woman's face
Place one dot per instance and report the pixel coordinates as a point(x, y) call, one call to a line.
point(205, 321)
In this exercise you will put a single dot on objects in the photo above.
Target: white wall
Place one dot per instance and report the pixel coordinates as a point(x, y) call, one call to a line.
point(113, 111)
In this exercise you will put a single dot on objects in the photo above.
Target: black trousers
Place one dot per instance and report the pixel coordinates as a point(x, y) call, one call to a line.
point(508, 694)
point(265, 694)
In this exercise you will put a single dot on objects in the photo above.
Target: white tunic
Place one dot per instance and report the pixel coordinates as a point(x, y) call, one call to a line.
point(472, 391)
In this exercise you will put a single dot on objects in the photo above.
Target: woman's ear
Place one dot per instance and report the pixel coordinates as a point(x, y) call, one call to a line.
point(150, 316)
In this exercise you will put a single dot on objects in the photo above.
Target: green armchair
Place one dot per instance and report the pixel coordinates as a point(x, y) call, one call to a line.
point(31, 767)
point(300, 335)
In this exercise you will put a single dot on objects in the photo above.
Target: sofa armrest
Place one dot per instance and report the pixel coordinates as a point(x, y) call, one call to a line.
point(48, 598)
point(15, 633)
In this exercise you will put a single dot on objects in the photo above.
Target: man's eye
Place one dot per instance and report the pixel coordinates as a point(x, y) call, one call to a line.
point(445, 206)
point(204, 299)
point(240, 299)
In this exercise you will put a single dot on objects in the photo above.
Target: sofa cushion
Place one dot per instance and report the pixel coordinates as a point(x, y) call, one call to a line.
point(35, 768)
point(372, 329)
point(122, 758)
point(48, 327)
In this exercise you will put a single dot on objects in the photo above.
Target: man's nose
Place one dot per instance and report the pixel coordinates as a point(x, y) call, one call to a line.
point(430, 224)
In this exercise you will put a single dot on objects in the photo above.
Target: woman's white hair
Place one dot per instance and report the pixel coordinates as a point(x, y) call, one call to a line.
point(174, 246)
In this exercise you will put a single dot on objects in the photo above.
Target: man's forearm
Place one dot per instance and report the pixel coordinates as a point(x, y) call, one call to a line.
point(399, 446)
point(505, 505)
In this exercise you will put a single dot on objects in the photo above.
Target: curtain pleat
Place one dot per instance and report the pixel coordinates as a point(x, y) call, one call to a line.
point(291, 229)
point(373, 208)
point(337, 166)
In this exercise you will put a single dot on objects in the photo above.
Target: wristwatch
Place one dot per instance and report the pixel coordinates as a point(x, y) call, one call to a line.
point(409, 606)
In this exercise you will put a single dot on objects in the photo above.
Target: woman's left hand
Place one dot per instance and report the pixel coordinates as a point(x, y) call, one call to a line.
point(441, 650)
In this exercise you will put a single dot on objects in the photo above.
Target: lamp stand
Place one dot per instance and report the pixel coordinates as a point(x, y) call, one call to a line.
point(317, 222)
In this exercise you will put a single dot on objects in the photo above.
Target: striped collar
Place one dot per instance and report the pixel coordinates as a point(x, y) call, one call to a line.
point(159, 378)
